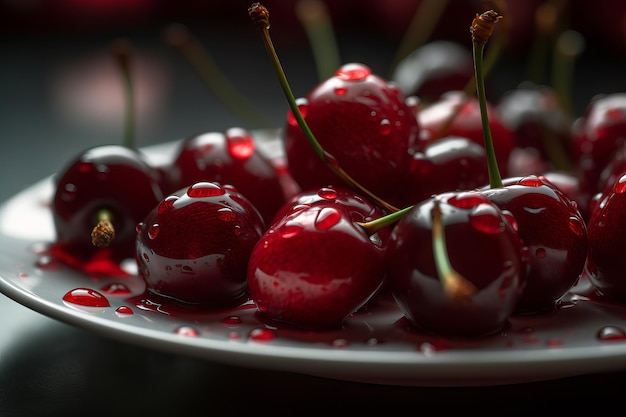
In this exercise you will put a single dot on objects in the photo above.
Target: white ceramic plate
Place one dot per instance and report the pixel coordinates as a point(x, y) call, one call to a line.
point(375, 346)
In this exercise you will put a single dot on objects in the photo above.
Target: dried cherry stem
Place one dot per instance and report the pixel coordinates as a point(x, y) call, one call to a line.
point(420, 28)
point(260, 16)
point(178, 36)
point(481, 29)
point(122, 55)
point(314, 16)
point(103, 233)
point(455, 286)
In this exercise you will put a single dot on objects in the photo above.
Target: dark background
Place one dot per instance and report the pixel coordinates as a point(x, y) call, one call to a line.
point(60, 93)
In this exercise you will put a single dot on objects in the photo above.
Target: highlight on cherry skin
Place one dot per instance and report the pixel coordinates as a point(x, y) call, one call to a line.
point(193, 247)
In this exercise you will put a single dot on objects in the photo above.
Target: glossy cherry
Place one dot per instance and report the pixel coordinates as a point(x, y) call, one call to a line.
point(607, 248)
point(433, 69)
point(108, 179)
point(457, 114)
point(448, 164)
point(363, 123)
point(597, 135)
point(315, 267)
point(555, 233)
point(230, 158)
point(483, 248)
point(193, 247)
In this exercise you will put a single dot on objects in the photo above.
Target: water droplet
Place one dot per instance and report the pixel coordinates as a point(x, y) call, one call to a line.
point(124, 311)
point(327, 193)
point(166, 204)
point(232, 320)
point(327, 218)
point(341, 91)
point(205, 189)
point(153, 231)
point(511, 219)
point(261, 334)
point(226, 214)
point(86, 297)
point(353, 72)
point(290, 229)
point(240, 143)
point(620, 185)
point(385, 127)
point(187, 331)
point(22, 275)
point(531, 181)
point(485, 218)
point(340, 343)
point(303, 106)
point(611, 333)
point(116, 288)
point(467, 200)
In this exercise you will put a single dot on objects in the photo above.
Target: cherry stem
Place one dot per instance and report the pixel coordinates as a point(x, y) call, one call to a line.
point(420, 28)
point(122, 54)
point(390, 219)
point(481, 29)
point(315, 19)
point(103, 232)
point(454, 284)
point(569, 45)
point(178, 36)
point(260, 16)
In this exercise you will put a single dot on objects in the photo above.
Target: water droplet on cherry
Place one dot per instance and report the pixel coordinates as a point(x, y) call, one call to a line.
point(240, 143)
point(353, 72)
point(205, 189)
point(327, 218)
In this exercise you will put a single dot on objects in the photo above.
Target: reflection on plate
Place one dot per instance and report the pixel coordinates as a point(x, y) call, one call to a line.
point(376, 346)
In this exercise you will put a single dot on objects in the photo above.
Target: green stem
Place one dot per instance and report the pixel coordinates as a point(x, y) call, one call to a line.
point(319, 29)
point(122, 52)
point(218, 83)
point(495, 180)
point(374, 226)
point(260, 16)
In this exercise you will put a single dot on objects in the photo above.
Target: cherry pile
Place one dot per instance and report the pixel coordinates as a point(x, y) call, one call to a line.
point(215, 225)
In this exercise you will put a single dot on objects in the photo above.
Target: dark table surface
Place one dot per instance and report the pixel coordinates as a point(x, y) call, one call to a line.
point(58, 95)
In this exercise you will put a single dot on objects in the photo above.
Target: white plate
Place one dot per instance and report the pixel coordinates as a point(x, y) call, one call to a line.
point(375, 346)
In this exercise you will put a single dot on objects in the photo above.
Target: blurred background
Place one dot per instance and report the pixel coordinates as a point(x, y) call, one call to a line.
point(61, 92)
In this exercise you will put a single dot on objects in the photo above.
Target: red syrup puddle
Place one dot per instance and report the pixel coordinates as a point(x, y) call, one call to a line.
point(100, 264)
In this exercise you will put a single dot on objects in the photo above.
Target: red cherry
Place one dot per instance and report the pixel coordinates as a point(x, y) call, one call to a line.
point(555, 233)
point(457, 114)
point(363, 122)
point(483, 248)
point(449, 164)
point(607, 247)
point(598, 134)
point(193, 247)
point(229, 158)
point(315, 267)
point(113, 178)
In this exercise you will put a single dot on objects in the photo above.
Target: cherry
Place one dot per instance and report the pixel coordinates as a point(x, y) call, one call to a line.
point(433, 69)
point(451, 163)
point(597, 135)
point(363, 122)
point(540, 124)
point(606, 229)
point(193, 247)
point(231, 158)
point(479, 291)
point(457, 114)
point(315, 267)
point(555, 233)
point(110, 183)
